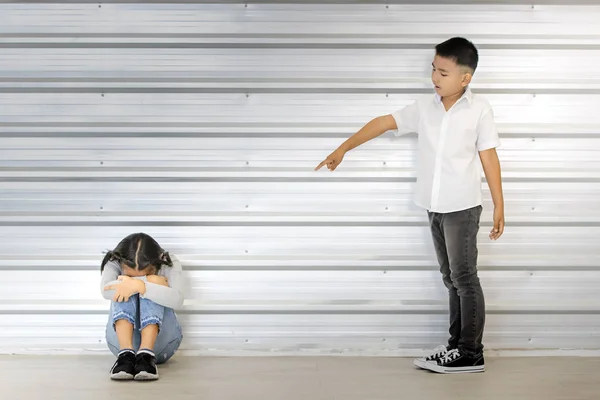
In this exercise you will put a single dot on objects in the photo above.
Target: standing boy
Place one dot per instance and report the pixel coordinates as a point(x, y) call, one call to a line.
point(454, 128)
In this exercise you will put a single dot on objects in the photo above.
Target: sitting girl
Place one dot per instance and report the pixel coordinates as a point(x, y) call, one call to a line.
point(145, 284)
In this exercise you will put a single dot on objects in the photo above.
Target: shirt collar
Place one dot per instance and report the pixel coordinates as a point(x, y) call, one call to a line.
point(466, 95)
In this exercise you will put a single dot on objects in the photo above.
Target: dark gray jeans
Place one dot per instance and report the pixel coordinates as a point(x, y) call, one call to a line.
point(455, 240)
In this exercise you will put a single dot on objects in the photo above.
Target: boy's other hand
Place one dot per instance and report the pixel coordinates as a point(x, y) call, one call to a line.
point(332, 161)
point(498, 227)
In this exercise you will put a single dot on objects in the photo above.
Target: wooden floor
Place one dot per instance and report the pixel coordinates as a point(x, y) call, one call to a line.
point(292, 378)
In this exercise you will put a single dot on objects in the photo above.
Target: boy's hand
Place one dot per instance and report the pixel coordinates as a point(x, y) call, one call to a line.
point(124, 290)
point(333, 160)
point(498, 228)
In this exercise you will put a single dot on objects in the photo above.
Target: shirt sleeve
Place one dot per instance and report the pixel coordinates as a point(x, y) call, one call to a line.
point(109, 277)
point(407, 119)
point(487, 133)
point(167, 296)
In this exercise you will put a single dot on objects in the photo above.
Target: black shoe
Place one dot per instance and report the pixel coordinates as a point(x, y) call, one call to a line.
point(435, 355)
point(145, 367)
point(124, 367)
point(457, 362)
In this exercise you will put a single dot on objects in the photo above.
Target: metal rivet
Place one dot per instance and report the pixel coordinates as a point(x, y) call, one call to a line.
point(101, 162)
point(102, 95)
point(246, 251)
point(246, 205)
point(102, 208)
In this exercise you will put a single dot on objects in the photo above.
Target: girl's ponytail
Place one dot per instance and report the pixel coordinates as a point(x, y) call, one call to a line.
point(110, 256)
point(165, 259)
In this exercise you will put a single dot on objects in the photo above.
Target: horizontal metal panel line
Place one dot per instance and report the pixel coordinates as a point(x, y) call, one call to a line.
point(95, 223)
point(323, 135)
point(374, 45)
point(172, 179)
point(313, 268)
point(173, 125)
point(279, 35)
point(308, 312)
point(382, 2)
point(290, 90)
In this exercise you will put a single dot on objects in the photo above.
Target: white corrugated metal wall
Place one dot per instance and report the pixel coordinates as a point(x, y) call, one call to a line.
point(201, 124)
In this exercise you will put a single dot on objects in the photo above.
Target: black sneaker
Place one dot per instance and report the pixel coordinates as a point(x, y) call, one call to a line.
point(124, 367)
point(435, 355)
point(145, 367)
point(457, 362)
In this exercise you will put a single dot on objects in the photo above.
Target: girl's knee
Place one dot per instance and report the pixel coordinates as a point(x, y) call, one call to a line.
point(147, 303)
point(131, 301)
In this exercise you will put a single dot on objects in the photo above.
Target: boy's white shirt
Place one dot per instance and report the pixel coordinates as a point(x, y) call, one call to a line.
point(449, 168)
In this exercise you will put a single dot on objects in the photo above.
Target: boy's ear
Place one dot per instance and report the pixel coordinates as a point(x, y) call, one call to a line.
point(466, 80)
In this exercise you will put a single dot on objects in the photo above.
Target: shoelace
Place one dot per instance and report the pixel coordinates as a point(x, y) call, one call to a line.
point(450, 356)
point(441, 350)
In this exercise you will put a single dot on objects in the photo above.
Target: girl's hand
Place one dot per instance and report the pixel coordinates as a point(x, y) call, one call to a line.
point(124, 290)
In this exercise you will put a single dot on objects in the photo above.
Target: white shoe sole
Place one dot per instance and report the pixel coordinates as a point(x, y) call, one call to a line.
point(146, 376)
point(420, 362)
point(463, 370)
point(121, 376)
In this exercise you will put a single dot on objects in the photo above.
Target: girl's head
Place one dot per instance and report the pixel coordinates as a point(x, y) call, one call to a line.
point(138, 254)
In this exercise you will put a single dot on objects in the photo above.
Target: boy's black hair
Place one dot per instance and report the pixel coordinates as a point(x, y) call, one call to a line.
point(463, 52)
point(138, 251)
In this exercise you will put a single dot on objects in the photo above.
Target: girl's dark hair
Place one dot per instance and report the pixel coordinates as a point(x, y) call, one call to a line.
point(138, 251)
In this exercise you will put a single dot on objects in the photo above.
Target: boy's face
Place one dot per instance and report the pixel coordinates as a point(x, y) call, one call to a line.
point(448, 77)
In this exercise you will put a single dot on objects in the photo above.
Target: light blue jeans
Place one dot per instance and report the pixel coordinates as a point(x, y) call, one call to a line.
point(141, 313)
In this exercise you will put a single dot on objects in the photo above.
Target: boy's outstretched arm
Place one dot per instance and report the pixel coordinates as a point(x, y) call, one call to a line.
point(491, 169)
point(374, 128)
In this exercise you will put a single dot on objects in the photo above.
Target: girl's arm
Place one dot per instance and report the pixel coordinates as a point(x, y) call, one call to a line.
point(110, 276)
point(170, 296)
